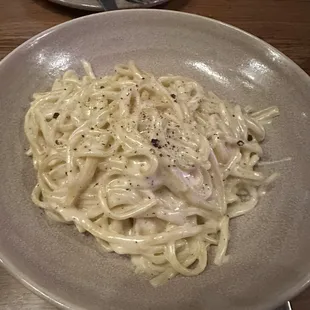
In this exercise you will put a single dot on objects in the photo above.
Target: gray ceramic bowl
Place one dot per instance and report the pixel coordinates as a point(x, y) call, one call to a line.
point(270, 247)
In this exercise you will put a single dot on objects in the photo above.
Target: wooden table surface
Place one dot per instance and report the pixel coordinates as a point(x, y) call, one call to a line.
point(283, 23)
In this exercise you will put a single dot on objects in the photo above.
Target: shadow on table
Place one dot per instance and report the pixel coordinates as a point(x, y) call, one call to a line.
point(174, 5)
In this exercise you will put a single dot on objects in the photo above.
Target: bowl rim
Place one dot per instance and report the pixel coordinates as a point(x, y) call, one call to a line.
point(57, 301)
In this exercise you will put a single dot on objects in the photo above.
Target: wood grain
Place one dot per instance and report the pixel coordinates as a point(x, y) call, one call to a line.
point(283, 23)
point(14, 296)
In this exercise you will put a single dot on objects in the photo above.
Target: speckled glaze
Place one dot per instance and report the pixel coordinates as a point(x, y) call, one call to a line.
point(269, 248)
point(94, 5)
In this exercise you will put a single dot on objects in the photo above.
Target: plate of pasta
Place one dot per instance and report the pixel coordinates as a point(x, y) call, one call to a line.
point(159, 163)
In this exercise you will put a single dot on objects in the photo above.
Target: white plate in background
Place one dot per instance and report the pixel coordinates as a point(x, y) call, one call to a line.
point(94, 5)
